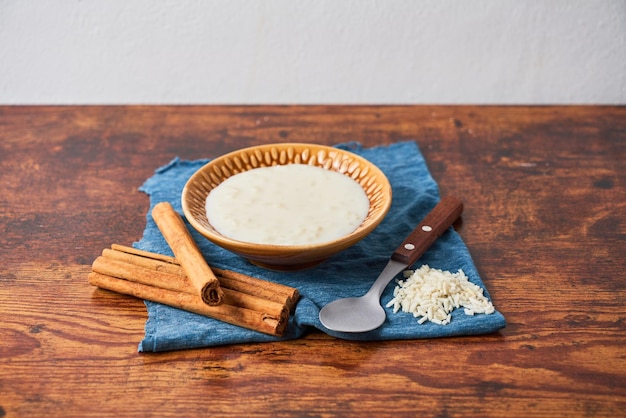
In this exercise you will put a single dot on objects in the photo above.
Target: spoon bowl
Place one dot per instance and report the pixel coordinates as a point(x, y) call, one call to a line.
point(361, 314)
point(352, 315)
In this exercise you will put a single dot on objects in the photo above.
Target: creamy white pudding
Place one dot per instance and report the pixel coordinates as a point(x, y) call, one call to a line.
point(292, 204)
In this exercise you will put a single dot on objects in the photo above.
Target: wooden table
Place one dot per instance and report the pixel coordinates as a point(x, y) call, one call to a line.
point(545, 220)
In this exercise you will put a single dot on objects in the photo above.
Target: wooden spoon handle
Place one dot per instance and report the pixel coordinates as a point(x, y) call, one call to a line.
point(424, 235)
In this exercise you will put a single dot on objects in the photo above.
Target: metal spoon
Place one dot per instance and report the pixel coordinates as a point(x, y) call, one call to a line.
point(361, 314)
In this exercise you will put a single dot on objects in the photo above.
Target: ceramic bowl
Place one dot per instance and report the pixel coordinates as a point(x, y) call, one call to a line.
point(283, 257)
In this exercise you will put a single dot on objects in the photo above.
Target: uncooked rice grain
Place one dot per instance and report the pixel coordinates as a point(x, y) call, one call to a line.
point(432, 294)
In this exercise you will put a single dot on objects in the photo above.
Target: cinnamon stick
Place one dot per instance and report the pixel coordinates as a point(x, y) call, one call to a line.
point(136, 273)
point(247, 301)
point(143, 253)
point(228, 279)
point(187, 253)
point(235, 315)
point(263, 288)
point(117, 252)
point(130, 270)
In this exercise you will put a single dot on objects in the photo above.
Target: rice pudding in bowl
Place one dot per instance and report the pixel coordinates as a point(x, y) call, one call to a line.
point(293, 204)
point(351, 197)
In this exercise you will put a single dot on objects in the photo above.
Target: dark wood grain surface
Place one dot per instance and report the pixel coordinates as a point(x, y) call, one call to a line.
point(545, 220)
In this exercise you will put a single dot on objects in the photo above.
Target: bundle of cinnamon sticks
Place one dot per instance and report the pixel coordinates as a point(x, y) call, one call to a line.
point(187, 282)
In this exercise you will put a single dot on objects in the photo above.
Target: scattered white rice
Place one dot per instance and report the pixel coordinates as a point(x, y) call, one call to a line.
point(432, 294)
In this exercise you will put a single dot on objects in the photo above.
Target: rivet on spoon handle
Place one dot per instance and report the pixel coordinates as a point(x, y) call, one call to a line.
point(431, 228)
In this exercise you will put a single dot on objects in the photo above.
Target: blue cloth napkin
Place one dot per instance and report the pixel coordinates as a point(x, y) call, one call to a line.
point(349, 273)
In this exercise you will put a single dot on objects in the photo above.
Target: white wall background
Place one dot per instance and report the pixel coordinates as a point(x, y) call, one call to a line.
point(313, 51)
